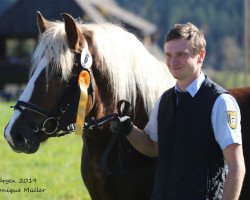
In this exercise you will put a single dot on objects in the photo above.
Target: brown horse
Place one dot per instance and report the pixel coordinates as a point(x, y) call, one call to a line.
point(242, 95)
point(122, 69)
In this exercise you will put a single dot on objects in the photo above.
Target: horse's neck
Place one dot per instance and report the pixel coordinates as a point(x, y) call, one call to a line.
point(140, 117)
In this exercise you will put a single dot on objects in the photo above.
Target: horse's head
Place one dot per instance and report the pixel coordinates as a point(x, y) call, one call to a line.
point(49, 102)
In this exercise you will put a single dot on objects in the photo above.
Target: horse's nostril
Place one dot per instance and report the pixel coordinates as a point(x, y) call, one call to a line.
point(18, 138)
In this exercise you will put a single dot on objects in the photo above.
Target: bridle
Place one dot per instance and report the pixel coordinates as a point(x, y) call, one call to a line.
point(51, 125)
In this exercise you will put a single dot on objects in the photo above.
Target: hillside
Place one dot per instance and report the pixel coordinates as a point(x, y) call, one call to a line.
point(222, 22)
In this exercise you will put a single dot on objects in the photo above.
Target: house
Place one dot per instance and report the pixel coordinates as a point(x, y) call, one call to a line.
point(18, 27)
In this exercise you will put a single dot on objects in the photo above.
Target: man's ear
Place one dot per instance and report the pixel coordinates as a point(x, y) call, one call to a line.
point(202, 55)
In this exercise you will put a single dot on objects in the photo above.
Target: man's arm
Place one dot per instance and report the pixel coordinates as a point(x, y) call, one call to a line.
point(233, 155)
point(142, 142)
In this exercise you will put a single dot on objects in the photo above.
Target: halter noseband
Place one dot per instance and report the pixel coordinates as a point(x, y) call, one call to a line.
point(50, 118)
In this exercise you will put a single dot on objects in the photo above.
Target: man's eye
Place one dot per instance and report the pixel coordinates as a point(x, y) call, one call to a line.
point(179, 54)
point(168, 55)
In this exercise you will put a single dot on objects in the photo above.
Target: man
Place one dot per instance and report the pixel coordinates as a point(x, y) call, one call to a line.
point(194, 128)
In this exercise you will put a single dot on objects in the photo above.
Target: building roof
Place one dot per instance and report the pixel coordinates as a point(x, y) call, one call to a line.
point(113, 11)
point(20, 19)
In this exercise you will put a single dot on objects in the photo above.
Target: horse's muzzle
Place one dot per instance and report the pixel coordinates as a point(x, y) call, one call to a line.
point(25, 148)
point(22, 145)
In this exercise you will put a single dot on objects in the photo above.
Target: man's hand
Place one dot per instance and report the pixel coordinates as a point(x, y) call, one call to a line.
point(121, 125)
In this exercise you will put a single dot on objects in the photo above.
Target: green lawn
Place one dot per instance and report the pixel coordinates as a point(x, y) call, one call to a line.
point(55, 168)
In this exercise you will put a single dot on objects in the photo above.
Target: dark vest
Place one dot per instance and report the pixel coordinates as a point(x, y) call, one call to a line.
point(190, 163)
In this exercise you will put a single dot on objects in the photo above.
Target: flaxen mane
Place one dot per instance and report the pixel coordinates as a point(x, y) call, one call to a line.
point(124, 59)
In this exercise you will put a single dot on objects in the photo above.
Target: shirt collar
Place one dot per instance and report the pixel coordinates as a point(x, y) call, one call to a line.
point(194, 87)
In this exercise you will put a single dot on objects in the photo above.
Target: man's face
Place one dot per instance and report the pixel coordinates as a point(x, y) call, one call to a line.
point(181, 60)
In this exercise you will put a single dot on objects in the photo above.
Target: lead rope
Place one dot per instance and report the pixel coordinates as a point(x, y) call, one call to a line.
point(120, 142)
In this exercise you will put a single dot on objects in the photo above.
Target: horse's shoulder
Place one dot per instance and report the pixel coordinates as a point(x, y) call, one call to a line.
point(241, 94)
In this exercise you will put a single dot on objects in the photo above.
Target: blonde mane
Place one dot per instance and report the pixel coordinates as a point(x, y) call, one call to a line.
point(127, 63)
point(53, 45)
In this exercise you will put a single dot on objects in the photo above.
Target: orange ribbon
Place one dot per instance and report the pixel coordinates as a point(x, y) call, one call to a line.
point(83, 82)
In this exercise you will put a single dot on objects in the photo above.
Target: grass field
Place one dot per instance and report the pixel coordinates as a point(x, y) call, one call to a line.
point(54, 169)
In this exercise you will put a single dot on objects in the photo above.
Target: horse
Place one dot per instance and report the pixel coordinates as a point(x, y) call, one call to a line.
point(242, 96)
point(120, 68)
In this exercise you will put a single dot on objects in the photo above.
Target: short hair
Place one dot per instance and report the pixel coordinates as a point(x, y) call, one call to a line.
point(190, 32)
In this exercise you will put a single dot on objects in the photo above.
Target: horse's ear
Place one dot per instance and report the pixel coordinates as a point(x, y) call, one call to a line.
point(74, 35)
point(42, 23)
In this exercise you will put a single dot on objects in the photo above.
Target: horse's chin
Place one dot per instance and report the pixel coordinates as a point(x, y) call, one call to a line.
point(25, 148)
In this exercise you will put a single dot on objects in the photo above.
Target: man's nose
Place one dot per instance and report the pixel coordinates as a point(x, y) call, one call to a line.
point(174, 61)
